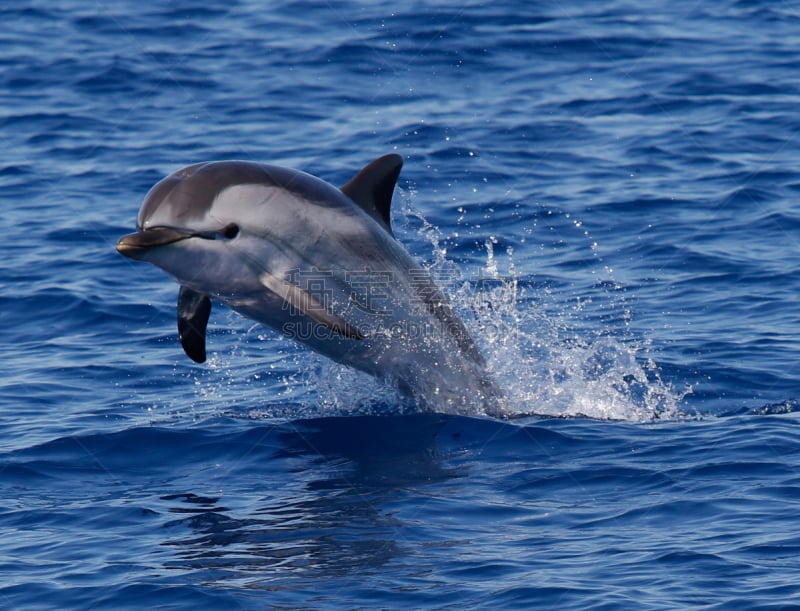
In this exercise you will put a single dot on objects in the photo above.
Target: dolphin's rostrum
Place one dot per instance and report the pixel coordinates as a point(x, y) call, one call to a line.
point(316, 263)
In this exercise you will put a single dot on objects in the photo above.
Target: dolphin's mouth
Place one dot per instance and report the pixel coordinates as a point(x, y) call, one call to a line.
point(133, 243)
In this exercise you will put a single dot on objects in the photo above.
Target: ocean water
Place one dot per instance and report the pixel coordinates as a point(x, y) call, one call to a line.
point(606, 191)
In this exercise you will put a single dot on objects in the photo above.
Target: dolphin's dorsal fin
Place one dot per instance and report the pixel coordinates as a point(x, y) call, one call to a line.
point(193, 311)
point(373, 186)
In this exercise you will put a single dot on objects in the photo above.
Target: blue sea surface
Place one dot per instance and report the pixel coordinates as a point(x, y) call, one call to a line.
point(607, 192)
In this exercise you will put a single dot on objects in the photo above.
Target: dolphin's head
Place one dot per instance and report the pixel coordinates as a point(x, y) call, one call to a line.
point(195, 224)
point(179, 229)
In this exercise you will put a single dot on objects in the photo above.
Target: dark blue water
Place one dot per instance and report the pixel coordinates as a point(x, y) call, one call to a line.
point(607, 192)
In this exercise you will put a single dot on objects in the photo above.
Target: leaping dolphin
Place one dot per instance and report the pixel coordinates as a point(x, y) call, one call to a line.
point(316, 263)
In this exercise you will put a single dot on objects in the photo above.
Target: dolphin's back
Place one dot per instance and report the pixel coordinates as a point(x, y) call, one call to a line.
point(189, 194)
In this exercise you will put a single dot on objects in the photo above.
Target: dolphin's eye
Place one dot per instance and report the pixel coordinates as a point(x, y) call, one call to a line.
point(231, 231)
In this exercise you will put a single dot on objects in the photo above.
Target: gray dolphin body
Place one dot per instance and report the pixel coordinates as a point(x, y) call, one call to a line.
point(316, 263)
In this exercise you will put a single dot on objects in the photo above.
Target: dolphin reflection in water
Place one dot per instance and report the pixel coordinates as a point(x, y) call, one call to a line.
point(316, 263)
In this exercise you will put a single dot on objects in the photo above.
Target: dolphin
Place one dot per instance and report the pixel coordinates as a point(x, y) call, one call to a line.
point(316, 263)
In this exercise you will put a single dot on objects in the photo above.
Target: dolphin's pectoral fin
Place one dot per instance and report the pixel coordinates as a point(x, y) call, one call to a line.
point(334, 323)
point(373, 186)
point(193, 311)
point(305, 303)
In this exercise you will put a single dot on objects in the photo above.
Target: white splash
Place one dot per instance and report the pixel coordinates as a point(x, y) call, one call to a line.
point(548, 361)
point(548, 350)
